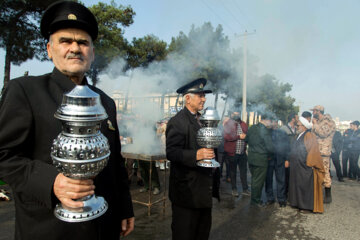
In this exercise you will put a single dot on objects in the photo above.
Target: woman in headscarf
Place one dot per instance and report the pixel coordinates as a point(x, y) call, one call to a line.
point(306, 171)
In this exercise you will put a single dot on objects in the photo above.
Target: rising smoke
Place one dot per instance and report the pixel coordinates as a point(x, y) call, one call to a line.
point(165, 77)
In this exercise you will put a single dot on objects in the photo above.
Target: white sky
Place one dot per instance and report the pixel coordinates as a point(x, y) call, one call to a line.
point(311, 44)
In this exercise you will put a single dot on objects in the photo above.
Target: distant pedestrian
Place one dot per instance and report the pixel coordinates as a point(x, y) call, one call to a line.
point(324, 130)
point(223, 161)
point(235, 151)
point(354, 150)
point(307, 171)
point(335, 154)
point(277, 166)
point(346, 151)
point(290, 130)
point(260, 149)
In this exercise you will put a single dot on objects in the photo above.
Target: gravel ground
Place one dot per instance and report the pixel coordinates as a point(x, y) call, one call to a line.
point(234, 218)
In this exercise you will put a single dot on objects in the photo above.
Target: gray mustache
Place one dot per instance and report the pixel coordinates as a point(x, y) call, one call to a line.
point(74, 55)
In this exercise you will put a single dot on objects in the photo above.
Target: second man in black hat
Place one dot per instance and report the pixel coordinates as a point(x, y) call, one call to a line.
point(191, 187)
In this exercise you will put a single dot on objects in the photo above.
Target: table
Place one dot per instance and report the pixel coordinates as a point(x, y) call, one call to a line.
point(152, 158)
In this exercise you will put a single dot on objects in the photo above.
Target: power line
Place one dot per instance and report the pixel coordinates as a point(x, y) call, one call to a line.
point(245, 16)
point(228, 10)
point(217, 15)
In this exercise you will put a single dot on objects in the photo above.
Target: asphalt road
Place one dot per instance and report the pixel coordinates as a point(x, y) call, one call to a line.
point(234, 218)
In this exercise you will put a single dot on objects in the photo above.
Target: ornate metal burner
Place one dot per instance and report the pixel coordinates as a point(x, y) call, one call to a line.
point(209, 136)
point(81, 151)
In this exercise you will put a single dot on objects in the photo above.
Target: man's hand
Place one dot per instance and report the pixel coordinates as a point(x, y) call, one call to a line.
point(127, 226)
point(314, 120)
point(205, 153)
point(67, 189)
point(287, 164)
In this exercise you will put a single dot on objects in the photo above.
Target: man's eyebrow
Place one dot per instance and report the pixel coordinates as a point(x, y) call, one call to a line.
point(66, 39)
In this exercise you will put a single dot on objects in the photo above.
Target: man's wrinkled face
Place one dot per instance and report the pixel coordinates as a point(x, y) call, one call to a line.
point(196, 101)
point(71, 51)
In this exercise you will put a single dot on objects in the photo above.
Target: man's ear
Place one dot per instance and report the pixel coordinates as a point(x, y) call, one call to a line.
point(48, 48)
point(93, 56)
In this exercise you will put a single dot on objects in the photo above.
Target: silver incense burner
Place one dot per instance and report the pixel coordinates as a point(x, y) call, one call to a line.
point(81, 151)
point(209, 136)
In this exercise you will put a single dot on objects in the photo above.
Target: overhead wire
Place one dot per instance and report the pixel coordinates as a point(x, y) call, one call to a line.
point(235, 18)
point(214, 12)
point(242, 13)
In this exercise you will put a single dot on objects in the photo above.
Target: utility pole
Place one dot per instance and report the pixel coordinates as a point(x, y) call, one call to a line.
point(244, 113)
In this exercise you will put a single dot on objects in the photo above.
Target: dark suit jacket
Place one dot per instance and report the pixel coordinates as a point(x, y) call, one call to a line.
point(28, 128)
point(190, 186)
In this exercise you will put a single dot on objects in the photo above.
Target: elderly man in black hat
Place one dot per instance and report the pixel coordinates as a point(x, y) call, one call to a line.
point(28, 127)
point(191, 187)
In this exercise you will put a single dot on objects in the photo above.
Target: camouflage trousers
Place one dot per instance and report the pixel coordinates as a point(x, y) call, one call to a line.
point(327, 178)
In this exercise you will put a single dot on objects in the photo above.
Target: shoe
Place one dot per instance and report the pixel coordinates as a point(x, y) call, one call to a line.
point(246, 192)
point(257, 205)
point(156, 191)
point(282, 204)
point(327, 198)
point(235, 193)
point(271, 202)
point(305, 211)
point(341, 179)
point(140, 182)
point(143, 190)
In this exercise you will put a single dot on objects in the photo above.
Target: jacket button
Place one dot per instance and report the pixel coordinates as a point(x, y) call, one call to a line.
point(210, 188)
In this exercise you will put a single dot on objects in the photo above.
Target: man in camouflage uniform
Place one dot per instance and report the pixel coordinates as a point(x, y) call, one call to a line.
point(324, 129)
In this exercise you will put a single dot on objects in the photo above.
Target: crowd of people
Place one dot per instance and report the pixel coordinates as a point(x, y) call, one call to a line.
point(296, 154)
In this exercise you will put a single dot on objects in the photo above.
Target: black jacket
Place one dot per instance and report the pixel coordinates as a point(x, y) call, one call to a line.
point(337, 142)
point(354, 140)
point(190, 186)
point(346, 139)
point(28, 128)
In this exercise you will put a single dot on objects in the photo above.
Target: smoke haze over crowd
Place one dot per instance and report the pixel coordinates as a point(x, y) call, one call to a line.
point(312, 45)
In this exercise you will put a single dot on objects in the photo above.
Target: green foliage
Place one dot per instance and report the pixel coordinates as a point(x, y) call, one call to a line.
point(207, 49)
point(111, 43)
point(272, 96)
point(20, 35)
point(145, 50)
point(19, 28)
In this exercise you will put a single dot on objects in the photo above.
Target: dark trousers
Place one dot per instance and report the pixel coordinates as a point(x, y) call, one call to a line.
point(223, 160)
point(287, 177)
point(354, 167)
point(345, 160)
point(239, 160)
point(336, 161)
point(258, 176)
point(145, 174)
point(275, 165)
point(190, 223)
